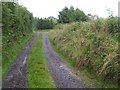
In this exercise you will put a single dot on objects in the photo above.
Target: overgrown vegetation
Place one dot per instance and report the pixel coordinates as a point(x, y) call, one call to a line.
point(38, 74)
point(16, 30)
point(91, 46)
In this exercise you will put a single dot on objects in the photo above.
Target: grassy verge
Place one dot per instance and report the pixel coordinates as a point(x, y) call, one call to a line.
point(90, 79)
point(38, 74)
point(11, 53)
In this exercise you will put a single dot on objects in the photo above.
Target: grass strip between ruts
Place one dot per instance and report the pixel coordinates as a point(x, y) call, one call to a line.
point(37, 72)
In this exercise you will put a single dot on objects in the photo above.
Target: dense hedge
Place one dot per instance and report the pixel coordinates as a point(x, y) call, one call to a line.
point(16, 22)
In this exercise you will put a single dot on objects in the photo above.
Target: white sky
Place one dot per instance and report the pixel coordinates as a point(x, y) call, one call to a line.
point(46, 8)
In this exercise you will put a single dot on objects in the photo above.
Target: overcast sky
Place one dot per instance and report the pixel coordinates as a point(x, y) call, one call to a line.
point(46, 8)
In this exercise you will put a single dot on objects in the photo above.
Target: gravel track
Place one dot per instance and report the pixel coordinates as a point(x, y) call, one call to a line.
point(63, 77)
point(61, 74)
point(16, 75)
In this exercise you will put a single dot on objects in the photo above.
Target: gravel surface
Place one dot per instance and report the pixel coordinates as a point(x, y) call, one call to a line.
point(16, 75)
point(61, 74)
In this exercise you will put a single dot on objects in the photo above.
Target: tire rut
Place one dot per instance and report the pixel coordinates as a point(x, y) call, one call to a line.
point(61, 74)
point(15, 77)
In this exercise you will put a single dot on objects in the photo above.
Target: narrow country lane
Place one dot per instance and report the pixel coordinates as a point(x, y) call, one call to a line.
point(16, 75)
point(61, 74)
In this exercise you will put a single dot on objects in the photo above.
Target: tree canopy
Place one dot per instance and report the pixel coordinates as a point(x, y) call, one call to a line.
point(70, 15)
point(46, 23)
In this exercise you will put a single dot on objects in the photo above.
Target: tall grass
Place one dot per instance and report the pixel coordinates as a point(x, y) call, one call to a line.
point(91, 45)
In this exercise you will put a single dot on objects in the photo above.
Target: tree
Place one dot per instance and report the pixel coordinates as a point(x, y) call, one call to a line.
point(69, 15)
point(55, 21)
point(64, 15)
point(35, 21)
point(46, 23)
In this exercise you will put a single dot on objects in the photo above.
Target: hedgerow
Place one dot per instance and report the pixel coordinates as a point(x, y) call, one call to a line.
point(91, 45)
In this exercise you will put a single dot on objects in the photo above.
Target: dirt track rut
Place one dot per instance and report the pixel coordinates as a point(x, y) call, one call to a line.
point(16, 75)
point(61, 74)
